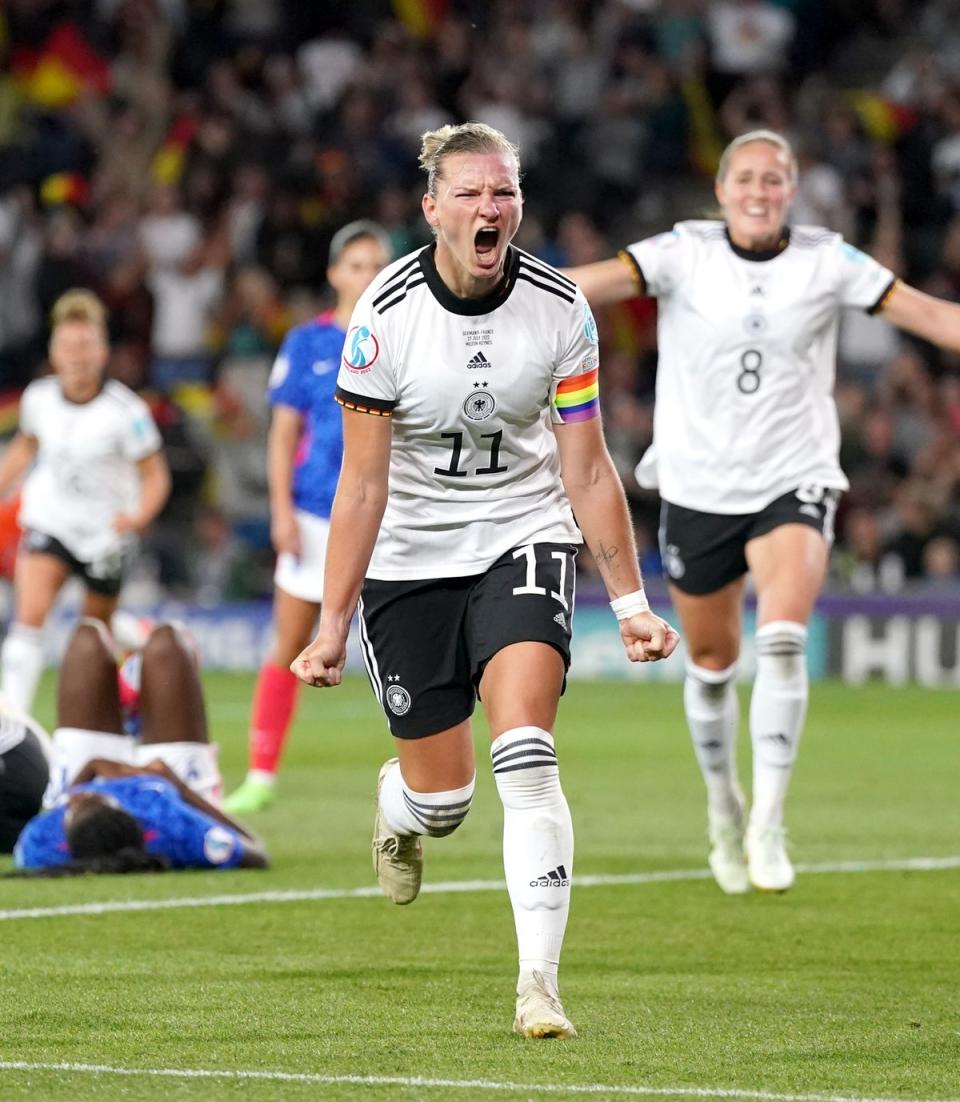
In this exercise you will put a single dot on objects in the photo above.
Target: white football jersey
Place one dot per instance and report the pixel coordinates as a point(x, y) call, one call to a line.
point(85, 472)
point(472, 387)
point(747, 347)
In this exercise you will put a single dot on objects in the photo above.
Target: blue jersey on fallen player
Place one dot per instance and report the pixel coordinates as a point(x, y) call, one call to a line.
point(304, 377)
point(184, 835)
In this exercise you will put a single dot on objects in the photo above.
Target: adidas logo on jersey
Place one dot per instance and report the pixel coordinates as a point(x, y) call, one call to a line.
point(478, 363)
point(556, 878)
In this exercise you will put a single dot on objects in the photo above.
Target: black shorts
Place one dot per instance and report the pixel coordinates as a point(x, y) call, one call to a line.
point(703, 552)
point(104, 575)
point(24, 773)
point(426, 643)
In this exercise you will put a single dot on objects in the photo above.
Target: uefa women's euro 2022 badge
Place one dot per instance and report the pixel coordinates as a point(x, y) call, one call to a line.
point(360, 349)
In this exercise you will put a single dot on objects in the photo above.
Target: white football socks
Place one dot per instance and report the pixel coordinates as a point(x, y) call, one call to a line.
point(537, 846)
point(433, 813)
point(778, 708)
point(21, 665)
point(713, 715)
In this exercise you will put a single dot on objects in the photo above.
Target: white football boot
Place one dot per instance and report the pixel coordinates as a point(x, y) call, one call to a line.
point(768, 865)
point(727, 860)
point(397, 858)
point(540, 1012)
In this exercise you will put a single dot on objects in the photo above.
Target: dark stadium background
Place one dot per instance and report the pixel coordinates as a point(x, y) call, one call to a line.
point(163, 151)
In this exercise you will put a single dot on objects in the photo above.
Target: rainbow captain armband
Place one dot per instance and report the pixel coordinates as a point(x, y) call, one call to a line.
point(630, 604)
point(578, 399)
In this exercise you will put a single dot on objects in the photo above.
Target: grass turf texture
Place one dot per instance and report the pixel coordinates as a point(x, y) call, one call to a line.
point(849, 985)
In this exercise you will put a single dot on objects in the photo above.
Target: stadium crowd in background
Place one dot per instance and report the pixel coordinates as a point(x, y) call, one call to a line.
point(191, 162)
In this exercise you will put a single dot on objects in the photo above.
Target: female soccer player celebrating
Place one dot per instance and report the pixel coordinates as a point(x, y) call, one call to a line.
point(99, 478)
point(745, 451)
point(471, 439)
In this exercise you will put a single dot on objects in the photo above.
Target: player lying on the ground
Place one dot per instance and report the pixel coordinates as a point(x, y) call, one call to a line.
point(133, 805)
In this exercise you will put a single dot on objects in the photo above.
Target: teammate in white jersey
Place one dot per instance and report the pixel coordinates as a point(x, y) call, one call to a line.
point(745, 456)
point(471, 437)
point(98, 478)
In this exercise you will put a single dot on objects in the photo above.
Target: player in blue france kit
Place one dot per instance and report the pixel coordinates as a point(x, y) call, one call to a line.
point(304, 455)
point(119, 816)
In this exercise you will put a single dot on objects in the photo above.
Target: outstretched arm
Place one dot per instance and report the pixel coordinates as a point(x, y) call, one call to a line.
point(932, 319)
point(608, 281)
point(354, 524)
point(600, 506)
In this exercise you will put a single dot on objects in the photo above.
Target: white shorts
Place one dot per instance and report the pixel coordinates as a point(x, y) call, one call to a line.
point(302, 575)
point(195, 763)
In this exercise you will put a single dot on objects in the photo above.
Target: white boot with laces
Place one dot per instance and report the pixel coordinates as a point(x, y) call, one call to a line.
point(769, 866)
point(728, 863)
point(397, 858)
point(540, 1012)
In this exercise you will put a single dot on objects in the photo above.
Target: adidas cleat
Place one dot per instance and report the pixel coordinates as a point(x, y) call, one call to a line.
point(540, 1012)
point(728, 863)
point(768, 865)
point(397, 858)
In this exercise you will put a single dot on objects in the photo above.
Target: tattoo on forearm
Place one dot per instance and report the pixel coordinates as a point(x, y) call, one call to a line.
point(606, 554)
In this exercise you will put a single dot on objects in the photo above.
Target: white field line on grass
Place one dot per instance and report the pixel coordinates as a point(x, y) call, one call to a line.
point(461, 1084)
point(448, 1084)
point(905, 864)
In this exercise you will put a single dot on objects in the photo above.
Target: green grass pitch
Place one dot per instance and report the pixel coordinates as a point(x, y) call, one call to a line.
point(847, 987)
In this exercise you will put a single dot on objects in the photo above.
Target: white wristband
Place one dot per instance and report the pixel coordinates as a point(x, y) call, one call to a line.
point(630, 604)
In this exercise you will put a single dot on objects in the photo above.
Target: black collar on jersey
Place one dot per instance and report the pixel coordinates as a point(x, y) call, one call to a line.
point(760, 254)
point(469, 306)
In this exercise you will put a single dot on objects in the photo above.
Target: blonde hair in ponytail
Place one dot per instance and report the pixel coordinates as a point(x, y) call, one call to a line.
point(469, 137)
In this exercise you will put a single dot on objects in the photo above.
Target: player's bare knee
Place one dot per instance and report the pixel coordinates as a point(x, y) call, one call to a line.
point(91, 646)
point(165, 645)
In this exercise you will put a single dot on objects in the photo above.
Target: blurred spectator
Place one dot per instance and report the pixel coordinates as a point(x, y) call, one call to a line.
point(941, 564)
point(191, 162)
point(186, 297)
point(917, 523)
point(20, 258)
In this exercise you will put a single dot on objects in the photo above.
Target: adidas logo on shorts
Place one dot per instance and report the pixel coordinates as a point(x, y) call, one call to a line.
point(557, 878)
point(561, 620)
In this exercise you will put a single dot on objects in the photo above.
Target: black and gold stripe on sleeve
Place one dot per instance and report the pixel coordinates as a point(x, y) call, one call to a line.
point(635, 271)
point(363, 403)
point(885, 297)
